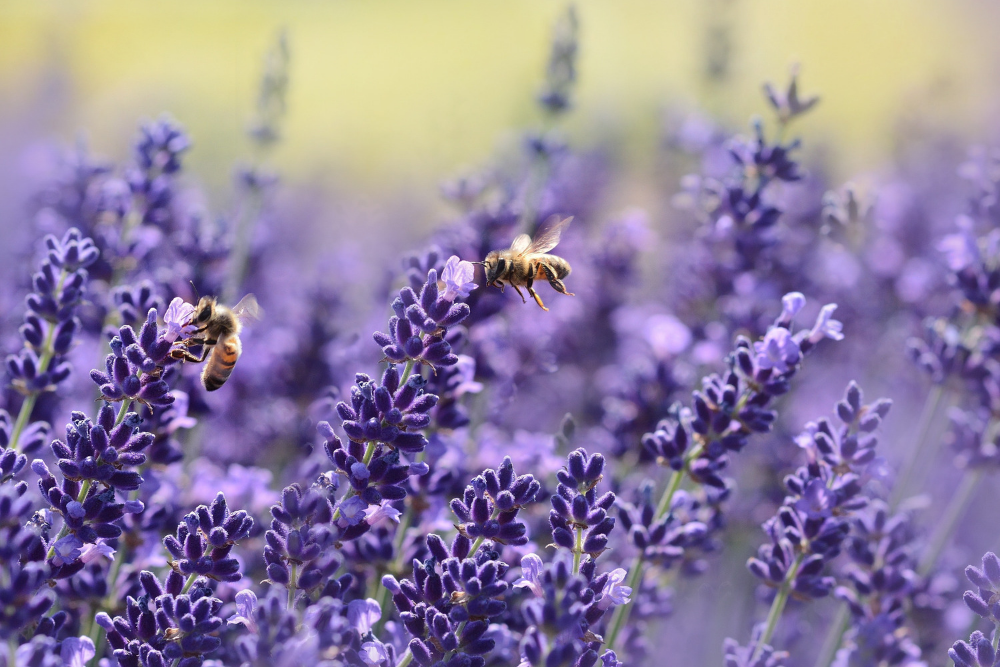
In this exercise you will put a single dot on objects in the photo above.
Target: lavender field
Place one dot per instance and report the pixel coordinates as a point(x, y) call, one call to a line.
point(727, 404)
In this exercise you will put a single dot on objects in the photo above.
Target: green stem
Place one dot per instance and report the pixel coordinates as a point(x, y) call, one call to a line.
point(123, 410)
point(834, 637)
point(927, 415)
point(291, 585)
point(194, 575)
point(84, 490)
point(578, 550)
point(622, 611)
point(369, 452)
point(778, 606)
point(406, 659)
point(382, 595)
point(95, 633)
point(949, 520)
point(996, 637)
point(407, 370)
point(22, 419)
point(12, 649)
point(668, 495)
point(43, 365)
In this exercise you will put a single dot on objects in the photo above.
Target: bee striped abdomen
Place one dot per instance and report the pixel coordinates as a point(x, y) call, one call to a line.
point(557, 265)
point(221, 363)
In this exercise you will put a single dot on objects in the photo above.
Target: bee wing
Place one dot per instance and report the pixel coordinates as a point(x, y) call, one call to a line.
point(548, 235)
point(248, 309)
point(520, 244)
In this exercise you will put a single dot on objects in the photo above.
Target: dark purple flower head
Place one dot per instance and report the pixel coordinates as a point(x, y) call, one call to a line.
point(447, 604)
point(171, 623)
point(160, 146)
point(670, 538)
point(50, 325)
point(418, 327)
point(389, 414)
point(301, 546)
point(987, 602)
point(491, 502)
point(133, 370)
point(560, 74)
point(787, 103)
point(564, 609)
point(108, 451)
point(205, 538)
point(977, 652)
point(579, 517)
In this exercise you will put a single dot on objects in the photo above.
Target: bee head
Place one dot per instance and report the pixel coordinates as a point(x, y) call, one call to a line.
point(205, 310)
point(494, 265)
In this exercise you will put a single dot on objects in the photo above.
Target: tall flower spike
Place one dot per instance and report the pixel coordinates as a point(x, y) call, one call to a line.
point(50, 326)
point(134, 368)
point(418, 327)
point(300, 551)
point(579, 517)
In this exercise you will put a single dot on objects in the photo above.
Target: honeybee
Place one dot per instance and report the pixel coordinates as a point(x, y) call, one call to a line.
point(218, 334)
point(527, 260)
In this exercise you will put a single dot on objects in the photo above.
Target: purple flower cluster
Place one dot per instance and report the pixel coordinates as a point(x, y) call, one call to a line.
point(497, 486)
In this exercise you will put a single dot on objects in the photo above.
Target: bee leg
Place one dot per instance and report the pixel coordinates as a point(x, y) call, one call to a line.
point(184, 355)
point(519, 292)
point(557, 284)
point(537, 298)
point(499, 284)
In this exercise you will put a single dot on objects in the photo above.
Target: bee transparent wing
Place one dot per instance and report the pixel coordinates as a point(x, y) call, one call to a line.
point(520, 244)
point(248, 309)
point(548, 235)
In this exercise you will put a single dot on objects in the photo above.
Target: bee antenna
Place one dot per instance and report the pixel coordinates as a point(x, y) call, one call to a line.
point(195, 289)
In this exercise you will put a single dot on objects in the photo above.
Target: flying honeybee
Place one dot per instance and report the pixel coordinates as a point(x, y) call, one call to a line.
point(218, 334)
point(527, 260)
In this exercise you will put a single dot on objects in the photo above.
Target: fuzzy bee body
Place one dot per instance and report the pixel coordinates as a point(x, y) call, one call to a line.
point(527, 261)
point(221, 362)
point(218, 334)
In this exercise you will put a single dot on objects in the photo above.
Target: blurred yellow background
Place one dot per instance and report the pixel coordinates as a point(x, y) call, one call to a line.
point(402, 93)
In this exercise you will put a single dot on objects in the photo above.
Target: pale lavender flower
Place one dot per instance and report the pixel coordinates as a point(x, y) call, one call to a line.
point(777, 350)
point(363, 614)
point(614, 592)
point(456, 279)
point(91, 552)
point(67, 549)
point(531, 572)
point(177, 319)
point(610, 659)
point(791, 304)
point(176, 416)
point(76, 651)
point(373, 653)
point(383, 513)
point(352, 511)
point(826, 326)
point(246, 605)
point(466, 373)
